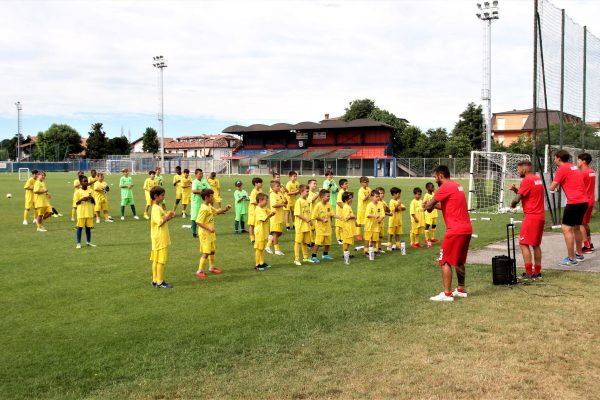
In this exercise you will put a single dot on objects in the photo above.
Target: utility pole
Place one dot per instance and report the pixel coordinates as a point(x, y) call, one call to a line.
point(161, 63)
point(19, 109)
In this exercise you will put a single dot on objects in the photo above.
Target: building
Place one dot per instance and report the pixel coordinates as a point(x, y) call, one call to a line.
point(204, 146)
point(507, 126)
point(136, 145)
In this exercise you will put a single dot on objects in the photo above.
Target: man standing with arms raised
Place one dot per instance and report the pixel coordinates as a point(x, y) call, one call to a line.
point(531, 192)
point(589, 181)
point(450, 198)
point(571, 181)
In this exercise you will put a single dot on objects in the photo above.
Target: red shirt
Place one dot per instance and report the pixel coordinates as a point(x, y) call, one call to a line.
point(570, 179)
point(451, 195)
point(532, 191)
point(589, 181)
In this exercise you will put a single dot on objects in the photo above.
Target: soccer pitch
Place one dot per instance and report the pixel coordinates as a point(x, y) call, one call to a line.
point(87, 324)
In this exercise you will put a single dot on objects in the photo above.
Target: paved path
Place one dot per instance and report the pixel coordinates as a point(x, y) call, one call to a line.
point(553, 250)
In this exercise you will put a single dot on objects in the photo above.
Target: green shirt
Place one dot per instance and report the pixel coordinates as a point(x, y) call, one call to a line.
point(196, 198)
point(242, 200)
point(159, 179)
point(126, 193)
point(333, 189)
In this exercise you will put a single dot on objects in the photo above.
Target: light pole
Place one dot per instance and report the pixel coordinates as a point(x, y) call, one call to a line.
point(19, 109)
point(161, 63)
point(487, 13)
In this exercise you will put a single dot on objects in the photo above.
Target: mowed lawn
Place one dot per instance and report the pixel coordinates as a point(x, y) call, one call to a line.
point(87, 324)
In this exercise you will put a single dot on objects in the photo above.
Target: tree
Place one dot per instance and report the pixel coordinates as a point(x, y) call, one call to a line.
point(459, 146)
point(150, 143)
point(410, 142)
point(10, 146)
point(57, 143)
point(359, 109)
point(118, 146)
point(470, 125)
point(96, 142)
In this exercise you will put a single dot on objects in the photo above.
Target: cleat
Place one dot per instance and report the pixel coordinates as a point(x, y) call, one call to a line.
point(72, 219)
point(266, 266)
point(90, 244)
point(164, 285)
point(340, 242)
point(108, 220)
point(215, 271)
point(268, 250)
point(54, 215)
point(579, 257)
point(201, 274)
point(260, 268)
point(567, 262)
point(525, 278)
point(380, 251)
point(298, 263)
point(25, 221)
point(584, 250)
point(42, 229)
point(441, 297)
point(390, 249)
point(184, 215)
point(308, 260)
point(279, 253)
point(315, 260)
point(244, 231)
point(97, 221)
point(153, 284)
point(123, 219)
point(456, 293)
point(538, 277)
point(78, 246)
point(327, 257)
point(419, 245)
point(146, 216)
point(236, 232)
point(434, 240)
point(414, 246)
point(136, 217)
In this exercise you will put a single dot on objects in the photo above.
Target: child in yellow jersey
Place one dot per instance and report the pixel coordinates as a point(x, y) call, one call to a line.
point(101, 188)
point(29, 195)
point(257, 184)
point(302, 226)
point(385, 210)
point(277, 203)
point(339, 224)
point(395, 220)
point(430, 217)
point(177, 183)
point(372, 219)
point(261, 229)
point(364, 194)
point(312, 199)
point(321, 216)
point(92, 179)
point(149, 183)
point(291, 189)
point(185, 183)
point(349, 227)
point(76, 185)
point(215, 185)
point(41, 201)
point(208, 237)
point(85, 212)
point(160, 237)
point(417, 219)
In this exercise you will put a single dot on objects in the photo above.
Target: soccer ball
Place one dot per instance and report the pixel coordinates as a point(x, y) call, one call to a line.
point(8, 196)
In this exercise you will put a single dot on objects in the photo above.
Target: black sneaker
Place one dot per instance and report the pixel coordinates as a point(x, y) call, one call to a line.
point(538, 277)
point(244, 231)
point(526, 277)
point(153, 284)
point(587, 250)
point(195, 236)
point(164, 285)
point(260, 267)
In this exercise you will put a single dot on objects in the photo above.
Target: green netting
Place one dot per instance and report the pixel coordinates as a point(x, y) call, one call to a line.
point(341, 153)
point(315, 154)
point(283, 155)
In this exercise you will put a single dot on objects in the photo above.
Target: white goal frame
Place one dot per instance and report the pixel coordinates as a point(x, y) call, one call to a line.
point(27, 173)
point(120, 163)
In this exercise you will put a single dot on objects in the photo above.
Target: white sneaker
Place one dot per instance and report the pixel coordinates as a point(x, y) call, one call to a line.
point(78, 246)
point(97, 221)
point(108, 220)
point(122, 218)
point(456, 293)
point(441, 297)
point(90, 244)
point(268, 250)
point(72, 219)
point(297, 262)
point(136, 217)
point(25, 222)
point(389, 249)
point(183, 215)
point(279, 253)
point(42, 229)
point(347, 259)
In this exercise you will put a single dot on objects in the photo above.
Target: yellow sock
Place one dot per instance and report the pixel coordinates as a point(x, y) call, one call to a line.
point(277, 247)
point(257, 254)
point(345, 246)
point(397, 244)
point(262, 257)
point(25, 214)
point(270, 243)
point(412, 238)
point(211, 261)
point(154, 272)
point(202, 264)
point(252, 238)
point(427, 236)
point(297, 251)
point(73, 212)
point(160, 273)
point(304, 251)
point(433, 233)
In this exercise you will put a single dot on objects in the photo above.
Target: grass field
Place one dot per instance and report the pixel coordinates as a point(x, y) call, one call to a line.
point(87, 324)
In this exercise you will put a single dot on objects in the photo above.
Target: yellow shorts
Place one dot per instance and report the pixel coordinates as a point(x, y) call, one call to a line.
point(348, 240)
point(217, 198)
point(251, 217)
point(430, 221)
point(360, 217)
point(178, 195)
point(371, 236)
point(276, 227)
point(417, 230)
point(395, 230)
point(290, 207)
point(323, 240)
point(41, 211)
point(29, 200)
point(260, 244)
point(207, 247)
point(101, 206)
point(148, 199)
point(302, 237)
point(160, 256)
point(85, 222)
point(185, 198)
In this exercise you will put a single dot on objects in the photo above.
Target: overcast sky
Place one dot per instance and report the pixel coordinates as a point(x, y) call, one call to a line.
point(80, 62)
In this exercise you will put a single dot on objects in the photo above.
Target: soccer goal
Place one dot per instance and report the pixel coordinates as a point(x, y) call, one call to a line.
point(491, 174)
point(115, 166)
point(550, 150)
point(24, 174)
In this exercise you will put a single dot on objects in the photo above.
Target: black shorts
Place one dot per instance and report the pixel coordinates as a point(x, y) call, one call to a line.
point(573, 214)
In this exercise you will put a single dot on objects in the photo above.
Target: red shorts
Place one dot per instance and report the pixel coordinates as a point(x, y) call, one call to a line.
point(588, 214)
point(454, 249)
point(532, 231)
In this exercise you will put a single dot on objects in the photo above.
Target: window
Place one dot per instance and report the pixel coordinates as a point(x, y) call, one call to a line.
point(501, 139)
point(500, 124)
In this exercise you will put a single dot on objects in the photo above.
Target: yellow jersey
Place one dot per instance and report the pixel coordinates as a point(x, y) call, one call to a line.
point(301, 207)
point(85, 209)
point(396, 217)
point(321, 210)
point(159, 232)
point(177, 183)
point(427, 198)
point(100, 196)
point(215, 185)
point(253, 201)
point(339, 210)
point(291, 187)
point(311, 200)
point(149, 183)
point(277, 198)
point(261, 225)
point(185, 185)
point(29, 190)
point(416, 208)
point(206, 216)
point(91, 181)
point(349, 225)
point(40, 200)
point(371, 224)
point(363, 198)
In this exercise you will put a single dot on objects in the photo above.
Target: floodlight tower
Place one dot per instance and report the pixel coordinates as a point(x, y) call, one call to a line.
point(487, 13)
point(161, 63)
point(19, 109)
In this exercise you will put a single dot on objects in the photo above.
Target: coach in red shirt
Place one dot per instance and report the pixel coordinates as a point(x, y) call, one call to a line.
point(571, 181)
point(450, 198)
point(589, 181)
point(531, 193)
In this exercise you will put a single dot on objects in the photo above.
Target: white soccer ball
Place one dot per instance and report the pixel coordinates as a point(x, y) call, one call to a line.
point(8, 196)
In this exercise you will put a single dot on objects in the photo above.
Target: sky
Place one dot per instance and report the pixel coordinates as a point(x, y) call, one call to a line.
point(81, 62)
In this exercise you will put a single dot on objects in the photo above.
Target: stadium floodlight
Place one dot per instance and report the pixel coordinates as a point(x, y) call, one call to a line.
point(161, 63)
point(487, 14)
point(19, 109)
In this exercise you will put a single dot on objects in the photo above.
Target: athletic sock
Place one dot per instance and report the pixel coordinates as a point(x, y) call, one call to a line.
point(122, 211)
point(448, 294)
point(433, 233)
point(160, 273)
point(397, 244)
point(242, 224)
point(78, 235)
point(528, 269)
point(133, 210)
point(314, 255)
point(25, 213)
point(277, 248)
point(236, 225)
point(304, 250)
point(427, 234)
point(211, 261)
point(194, 229)
point(154, 271)
point(88, 234)
point(297, 251)
point(252, 238)
point(537, 268)
point(257, 254)
point(325, 253)
point(201, 264)
point(262, 257)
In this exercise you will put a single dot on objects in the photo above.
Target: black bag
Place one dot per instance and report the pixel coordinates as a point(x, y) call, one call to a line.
point(504, 268)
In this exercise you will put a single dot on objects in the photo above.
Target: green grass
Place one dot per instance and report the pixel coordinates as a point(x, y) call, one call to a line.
point(86, 323)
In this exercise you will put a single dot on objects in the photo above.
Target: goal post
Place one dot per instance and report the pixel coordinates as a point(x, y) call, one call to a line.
point(116, 165)
point(24, 174)
point(490, 175)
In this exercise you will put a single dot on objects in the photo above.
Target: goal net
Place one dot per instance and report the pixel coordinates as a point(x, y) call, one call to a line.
point(491, 174)
point(117, 165)
point(573, 151)
point(24, 174)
